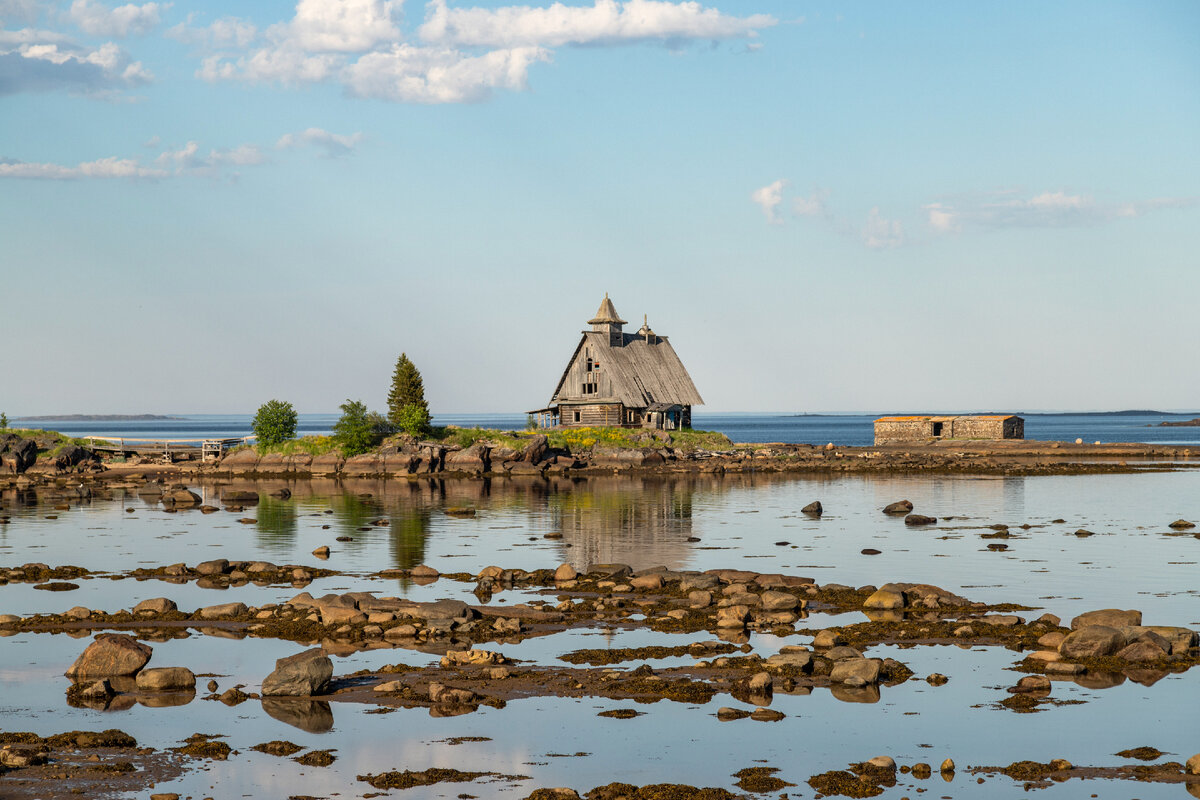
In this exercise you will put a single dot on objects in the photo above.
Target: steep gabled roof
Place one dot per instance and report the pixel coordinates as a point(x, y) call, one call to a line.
point(641, 373)
point(606, 313)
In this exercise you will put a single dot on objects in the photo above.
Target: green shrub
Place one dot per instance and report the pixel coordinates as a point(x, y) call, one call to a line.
point(414, 420)
point(353, 431)
point(3, 421)
point(274, 422)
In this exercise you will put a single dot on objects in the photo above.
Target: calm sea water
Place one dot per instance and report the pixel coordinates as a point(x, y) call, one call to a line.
point(749, 521)
point(847, 430)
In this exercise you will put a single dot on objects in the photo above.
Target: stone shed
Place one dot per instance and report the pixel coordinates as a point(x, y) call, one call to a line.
point(892, 430)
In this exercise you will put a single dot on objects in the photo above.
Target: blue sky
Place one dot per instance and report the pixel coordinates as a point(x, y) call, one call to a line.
point(827, 206)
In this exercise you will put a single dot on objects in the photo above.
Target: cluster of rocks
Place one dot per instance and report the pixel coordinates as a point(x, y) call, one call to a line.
point(115, 664)
point(1117, 635)
point(220, 573)
point(19, 456)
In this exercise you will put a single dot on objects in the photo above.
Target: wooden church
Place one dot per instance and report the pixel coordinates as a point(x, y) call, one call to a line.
point(631, 380)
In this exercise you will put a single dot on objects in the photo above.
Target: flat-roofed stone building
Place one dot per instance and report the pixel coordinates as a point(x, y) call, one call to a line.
point(892, 430)
point(621, 379)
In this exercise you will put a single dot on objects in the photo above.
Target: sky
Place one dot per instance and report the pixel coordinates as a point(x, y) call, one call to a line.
point(827, 206)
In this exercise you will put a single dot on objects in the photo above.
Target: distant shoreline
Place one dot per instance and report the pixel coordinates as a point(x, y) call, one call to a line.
point(96, 418)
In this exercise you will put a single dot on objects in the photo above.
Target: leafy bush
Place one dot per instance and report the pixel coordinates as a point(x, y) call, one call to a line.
point(353, 431)
point(274, 422)
point(3, 421)
point(414, 420)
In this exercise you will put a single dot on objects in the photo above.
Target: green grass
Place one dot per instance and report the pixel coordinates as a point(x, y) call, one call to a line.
point(578, 440)
point(311, 445)
point(51, 442)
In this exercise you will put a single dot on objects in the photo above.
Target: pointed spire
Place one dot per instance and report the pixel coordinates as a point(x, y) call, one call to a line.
point(606, 314)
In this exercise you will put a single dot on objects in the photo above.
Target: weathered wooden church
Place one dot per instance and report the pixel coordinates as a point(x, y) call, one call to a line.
point(621, 379)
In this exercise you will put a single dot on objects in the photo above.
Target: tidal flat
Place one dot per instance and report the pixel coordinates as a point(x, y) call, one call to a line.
point(657, 632)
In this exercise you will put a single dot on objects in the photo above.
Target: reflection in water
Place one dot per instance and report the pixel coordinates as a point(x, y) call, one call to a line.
point(314, 716)
point(409, 532)
point(276, 524)
point(613, 517)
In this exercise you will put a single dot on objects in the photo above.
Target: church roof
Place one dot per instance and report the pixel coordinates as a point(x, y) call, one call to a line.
point(606, 313)
point(641, 373)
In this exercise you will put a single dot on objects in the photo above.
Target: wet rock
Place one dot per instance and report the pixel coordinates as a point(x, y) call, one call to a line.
point(1179, 640)
point(322, 551)
point(919, 519)
point(424, 571)
point(303, 674)
point(885, 599)
point(457, 658)
point(222, 610)
point(733, 616)
point(814, 508)
point(111, 654)
point(760, 683)
point(700, 582)
point(1108, 617)
point(334, 615)
point(882, 762)
point(766, 715)
point(1094, 641)
point(842, 652)
point(1056, 668)
point(217, 566)
point(898, 507)
point(1182, 525)
point(699, 599)
point(726, 714)
point(828, 638)
point(1052, 640)
point(1193, 765)
point(862, 669)
point(565, 572)
point(78, 612)
point(155, 605)
point(779, 601)
point(166, 679)
point(647, 582)
point(1142, 650)
point(181, 497)
point(1033, 683)
point(947, 765)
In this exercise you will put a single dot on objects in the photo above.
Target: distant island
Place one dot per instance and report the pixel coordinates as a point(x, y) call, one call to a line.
point(1187, 423)
point(94, 418)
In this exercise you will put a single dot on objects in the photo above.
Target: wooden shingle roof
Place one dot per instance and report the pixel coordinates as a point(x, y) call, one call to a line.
point(641, 373)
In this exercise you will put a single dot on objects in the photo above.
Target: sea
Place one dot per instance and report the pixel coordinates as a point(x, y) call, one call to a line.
point(848, 430)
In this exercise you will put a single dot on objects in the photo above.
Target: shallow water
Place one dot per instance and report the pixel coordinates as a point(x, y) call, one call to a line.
point(750, 522)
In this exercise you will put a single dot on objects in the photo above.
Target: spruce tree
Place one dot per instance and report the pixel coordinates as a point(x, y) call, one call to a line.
point(407, 390)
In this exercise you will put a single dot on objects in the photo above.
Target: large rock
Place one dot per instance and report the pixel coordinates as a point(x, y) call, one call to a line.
point(474, 459)
point(1108, 617)
point(181, 497)
point(239, 497)
point(885, 599)
point(535, 450)
point(565, 572)
point(111, 654)
point(623, 458)
point(222, 610)
point(898, 507)
point(166, 679)
point(71, 455)
point(779, 601)
point(865, 669)
point(16, 454)
point(155, 605)
point(1094, 641)
point(301, 675)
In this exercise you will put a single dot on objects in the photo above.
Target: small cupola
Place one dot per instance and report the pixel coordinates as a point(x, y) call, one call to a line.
point(645, 331)
point(608, 321)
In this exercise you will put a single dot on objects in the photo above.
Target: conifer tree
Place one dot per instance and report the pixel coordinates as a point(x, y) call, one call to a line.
point(407, 390)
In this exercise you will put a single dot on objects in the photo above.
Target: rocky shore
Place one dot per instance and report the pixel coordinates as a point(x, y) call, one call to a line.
point(21, 461)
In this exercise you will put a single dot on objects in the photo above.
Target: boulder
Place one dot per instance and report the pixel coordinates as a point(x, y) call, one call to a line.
point(474, 459)
point(1182, 525)
point(800, 661)
point(303, 674)
point(814, 508)
point(217, 566)
point(885, 599)
point(1193, 765)
point(1108, 617)
point(1143, 650)
point(733, 616)
point(70, 455)
point(919, 519)
point(647, 582)
point(1094, 641)
point(424, 571)
point(111, 654)
point(155, 605)
point(779, 601)
point(535, 450)
point(16, 454)
point(1179, 639)
point(166, 679)
point(855, 669)
point(222, 610)
point(898, 507)
point(828, 638)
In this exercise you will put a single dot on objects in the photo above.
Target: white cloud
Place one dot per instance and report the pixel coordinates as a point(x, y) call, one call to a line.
point(111, 167)
point(1048, 209)
point(435, 75)
point(811, 206)
point(96, 19)
point(224, 32)
point(32, 60)
point(344, 26)
point(467, 54)
point(333, 144)
point(189, 159)
point(769, 198)
point(880, 233)
point(605, 22)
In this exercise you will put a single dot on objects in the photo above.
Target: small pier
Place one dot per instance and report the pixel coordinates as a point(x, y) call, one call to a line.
point(166, 450)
